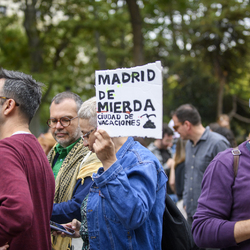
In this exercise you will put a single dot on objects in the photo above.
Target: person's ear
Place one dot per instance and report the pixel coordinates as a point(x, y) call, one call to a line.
point(8, 106)
point(187, 124)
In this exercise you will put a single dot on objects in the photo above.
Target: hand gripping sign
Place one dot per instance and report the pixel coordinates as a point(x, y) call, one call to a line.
point(129, 101)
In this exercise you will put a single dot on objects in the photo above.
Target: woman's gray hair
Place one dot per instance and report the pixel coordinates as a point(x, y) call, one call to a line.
point(88, 111)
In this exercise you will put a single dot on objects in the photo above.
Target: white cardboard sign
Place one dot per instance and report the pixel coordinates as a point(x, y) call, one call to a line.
point(129, 101)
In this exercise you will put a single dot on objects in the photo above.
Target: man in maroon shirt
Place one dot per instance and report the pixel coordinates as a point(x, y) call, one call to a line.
point(27, 182)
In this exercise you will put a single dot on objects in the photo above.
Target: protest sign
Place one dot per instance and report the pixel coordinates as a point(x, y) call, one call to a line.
point(129, 101)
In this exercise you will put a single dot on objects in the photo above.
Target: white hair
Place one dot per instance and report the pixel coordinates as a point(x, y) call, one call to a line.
point(88, 111)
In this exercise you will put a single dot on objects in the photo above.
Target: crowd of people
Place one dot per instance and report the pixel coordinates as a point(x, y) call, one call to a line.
point(111, 190)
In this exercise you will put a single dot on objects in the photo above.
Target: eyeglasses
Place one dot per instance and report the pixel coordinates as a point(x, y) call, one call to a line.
point(85, 137)
point(64, 121)
point(175, 127)
point(6, 98)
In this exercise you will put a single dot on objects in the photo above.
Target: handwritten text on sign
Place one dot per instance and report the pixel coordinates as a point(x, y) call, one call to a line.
point(129, 101)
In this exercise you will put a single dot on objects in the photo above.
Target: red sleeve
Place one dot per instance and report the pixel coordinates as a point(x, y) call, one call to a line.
point(16, 207)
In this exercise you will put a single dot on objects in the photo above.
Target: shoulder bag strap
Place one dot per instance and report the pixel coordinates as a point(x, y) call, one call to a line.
point(236, 153)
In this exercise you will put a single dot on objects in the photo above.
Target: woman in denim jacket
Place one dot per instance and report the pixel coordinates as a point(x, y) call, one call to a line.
point(124, 209)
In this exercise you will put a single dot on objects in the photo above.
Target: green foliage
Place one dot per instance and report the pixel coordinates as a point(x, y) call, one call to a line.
point(201, 44)
point(191, 84)
point(198, 42)
point(13, 44)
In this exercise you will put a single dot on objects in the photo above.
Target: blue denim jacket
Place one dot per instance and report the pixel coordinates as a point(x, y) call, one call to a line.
point(126, 202)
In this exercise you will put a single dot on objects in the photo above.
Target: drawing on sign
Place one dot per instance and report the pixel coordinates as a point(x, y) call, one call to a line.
point(149, 123)
point(129, 100)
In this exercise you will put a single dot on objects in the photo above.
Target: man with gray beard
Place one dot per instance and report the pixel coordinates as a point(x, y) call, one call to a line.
point(71, 162)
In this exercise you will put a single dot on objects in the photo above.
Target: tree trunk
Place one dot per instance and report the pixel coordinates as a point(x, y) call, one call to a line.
point(30, 25)
point(100, 54)
point(175, 46)
point(222, 82)
point(222, 79)
point(136, 22)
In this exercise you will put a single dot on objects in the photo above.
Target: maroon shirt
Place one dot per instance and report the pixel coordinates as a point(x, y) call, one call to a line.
point(26, 193)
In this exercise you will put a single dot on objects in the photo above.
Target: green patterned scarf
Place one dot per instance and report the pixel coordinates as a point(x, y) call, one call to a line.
point(66, 181)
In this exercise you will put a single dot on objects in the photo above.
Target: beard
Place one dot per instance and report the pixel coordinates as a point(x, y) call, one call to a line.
point(68, 138)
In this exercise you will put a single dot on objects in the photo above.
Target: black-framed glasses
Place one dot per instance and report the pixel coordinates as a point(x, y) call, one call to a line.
point(86, 136)
point(6, 98)
point(64, 121)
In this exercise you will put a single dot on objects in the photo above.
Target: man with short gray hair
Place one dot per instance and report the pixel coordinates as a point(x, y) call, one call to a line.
point(71, 162)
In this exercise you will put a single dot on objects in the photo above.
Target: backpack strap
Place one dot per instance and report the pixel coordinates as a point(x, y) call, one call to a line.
point(236, 153)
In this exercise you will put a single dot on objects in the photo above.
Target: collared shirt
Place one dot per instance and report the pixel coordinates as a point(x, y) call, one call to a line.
point(62, 153)
point(197, 159)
